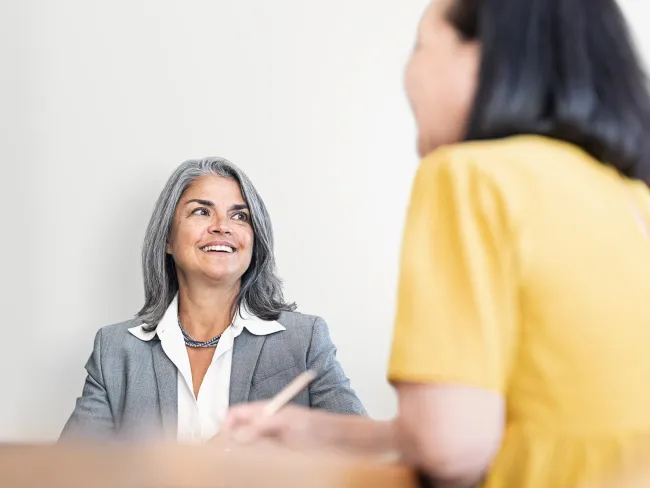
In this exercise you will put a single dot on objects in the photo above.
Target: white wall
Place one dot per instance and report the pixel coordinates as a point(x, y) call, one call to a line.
point(99, 101)
point(638, 14)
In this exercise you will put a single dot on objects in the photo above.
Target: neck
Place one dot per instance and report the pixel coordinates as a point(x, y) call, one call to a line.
point(205, 312)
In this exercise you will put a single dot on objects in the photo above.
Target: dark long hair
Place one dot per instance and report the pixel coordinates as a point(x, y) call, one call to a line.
point(565, 69)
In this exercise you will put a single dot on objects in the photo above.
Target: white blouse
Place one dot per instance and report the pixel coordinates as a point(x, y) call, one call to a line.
point(199, 419)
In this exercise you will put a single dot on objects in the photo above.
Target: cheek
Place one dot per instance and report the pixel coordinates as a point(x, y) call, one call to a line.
point(411, 82)
point(185, 234)
point(422, 87)
point(247, 241)
point(244, 238)
point(439, 88)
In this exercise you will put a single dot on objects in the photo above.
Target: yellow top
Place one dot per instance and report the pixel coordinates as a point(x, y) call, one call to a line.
point(526, 270)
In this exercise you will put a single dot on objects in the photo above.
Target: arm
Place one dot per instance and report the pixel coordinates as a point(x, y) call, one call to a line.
point(92, 417)
point(361, 434)
point(300, 428)
point(456, 323)
point(451, 432)
point(331, 390)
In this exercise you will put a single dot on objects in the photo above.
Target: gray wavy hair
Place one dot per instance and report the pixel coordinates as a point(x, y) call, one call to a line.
point(261, 288)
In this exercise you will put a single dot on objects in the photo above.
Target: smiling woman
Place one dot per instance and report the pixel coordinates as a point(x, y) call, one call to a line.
point(215, 329)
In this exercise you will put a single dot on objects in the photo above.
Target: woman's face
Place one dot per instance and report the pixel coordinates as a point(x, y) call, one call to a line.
point(212, 236)
point(440, 79)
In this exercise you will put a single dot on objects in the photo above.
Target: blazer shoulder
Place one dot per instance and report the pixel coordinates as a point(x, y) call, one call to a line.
point(116, 335)
point(305, 331)
point(297, 320)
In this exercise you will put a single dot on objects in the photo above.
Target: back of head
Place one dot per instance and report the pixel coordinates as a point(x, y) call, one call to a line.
point(566, 69)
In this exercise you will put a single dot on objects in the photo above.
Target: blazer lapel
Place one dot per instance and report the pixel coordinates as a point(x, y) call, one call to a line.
point(246, 352)
point(167, 381)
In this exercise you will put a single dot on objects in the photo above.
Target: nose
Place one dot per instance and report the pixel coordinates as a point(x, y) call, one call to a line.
point(219, 226)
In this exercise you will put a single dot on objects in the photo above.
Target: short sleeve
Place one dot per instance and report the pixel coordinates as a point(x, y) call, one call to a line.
point(457, 308)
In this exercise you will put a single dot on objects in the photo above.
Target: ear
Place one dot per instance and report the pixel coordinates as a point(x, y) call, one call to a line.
point(468, 55)
point(168, 249)
point(467, 72)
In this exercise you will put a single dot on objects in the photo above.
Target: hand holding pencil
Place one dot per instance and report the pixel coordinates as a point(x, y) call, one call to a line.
point(275, 419)
point(303, 428)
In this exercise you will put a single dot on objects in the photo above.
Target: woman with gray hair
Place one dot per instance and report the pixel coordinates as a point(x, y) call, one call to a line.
point(214, 330)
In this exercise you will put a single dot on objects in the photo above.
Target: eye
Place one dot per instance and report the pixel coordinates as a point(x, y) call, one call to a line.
point(202, 211)
point(242, 216)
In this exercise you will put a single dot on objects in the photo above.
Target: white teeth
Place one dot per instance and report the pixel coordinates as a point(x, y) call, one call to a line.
point(227, 249)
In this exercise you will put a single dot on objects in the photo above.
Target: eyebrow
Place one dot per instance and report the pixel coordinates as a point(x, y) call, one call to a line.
point(208, 203)
point(239, 206)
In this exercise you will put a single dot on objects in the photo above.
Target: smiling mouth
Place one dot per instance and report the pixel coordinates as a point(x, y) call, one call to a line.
point(226, 249)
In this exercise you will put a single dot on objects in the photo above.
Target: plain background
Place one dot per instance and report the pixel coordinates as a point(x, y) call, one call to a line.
point(100, 101)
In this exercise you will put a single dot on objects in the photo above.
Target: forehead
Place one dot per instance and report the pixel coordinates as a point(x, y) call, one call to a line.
point(215, 187)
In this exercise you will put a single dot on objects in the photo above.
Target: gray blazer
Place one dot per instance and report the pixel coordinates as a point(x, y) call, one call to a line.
point(131, 394)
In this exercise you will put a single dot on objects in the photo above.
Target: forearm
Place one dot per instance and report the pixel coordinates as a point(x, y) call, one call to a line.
point(359, 434)
point(444, 468)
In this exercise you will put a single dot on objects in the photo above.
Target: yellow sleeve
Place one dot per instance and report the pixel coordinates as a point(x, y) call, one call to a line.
point(457, 306)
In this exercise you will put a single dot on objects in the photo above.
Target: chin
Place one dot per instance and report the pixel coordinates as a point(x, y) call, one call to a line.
point(221, 276)
point(424, 147)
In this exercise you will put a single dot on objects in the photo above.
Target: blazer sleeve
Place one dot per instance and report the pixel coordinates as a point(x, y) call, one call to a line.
point(92, 418)
point(331, 389)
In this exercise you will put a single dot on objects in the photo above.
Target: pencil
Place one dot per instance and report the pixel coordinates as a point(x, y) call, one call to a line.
point(298, 384)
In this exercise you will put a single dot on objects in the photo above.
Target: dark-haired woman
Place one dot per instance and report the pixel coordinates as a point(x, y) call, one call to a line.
point(520, 354)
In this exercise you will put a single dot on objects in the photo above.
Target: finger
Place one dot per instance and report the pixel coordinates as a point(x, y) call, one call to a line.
point(241, 415)
point(260, 427)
